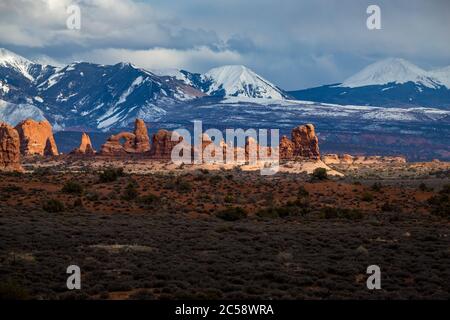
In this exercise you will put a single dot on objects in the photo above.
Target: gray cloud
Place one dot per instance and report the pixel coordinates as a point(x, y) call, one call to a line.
point(293, 43)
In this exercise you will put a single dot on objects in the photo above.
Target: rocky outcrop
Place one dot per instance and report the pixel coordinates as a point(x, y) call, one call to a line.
point(331, 159)
point(127, 142)
point(85, 147)
point(141, 140)
point(117, 144)
point(286, 148)
point(306, 143)
point(303, 144)
point(361, 160)
point(9, 149)
point(36, 138)
point(162, 145)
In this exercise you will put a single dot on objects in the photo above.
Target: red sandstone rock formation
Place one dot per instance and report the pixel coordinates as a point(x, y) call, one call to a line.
point(362, 160)
point(162, 144)
point(304, 144)
point(85, 147)
point(127, 142)
point(286, 148)
point(331, 159)
point(9, 148)
point(346, 158)
point(142, 141)
point(36, 138)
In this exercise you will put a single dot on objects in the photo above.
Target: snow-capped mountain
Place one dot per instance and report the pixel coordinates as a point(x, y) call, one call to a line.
point(442, 75)
point(229, 81)
point(86, 95)
point(13, 113)
point(240, 81)
point(390, 82)
point(392, 70)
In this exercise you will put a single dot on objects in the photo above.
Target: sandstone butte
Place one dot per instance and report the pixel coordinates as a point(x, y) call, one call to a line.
point(9, 148)
point(303, 144)
point(36, 138)
point(85, 147)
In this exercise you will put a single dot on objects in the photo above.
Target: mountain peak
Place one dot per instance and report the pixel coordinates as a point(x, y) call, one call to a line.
point(240, 81)
point(390, 70)
point(17, 62)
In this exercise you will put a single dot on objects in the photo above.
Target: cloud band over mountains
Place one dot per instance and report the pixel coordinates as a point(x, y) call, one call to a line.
point(296, 44)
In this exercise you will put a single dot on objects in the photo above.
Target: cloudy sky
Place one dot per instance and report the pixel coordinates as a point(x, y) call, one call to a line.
point(293, 43)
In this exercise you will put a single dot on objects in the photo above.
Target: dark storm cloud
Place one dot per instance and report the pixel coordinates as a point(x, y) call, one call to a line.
point(293, 43)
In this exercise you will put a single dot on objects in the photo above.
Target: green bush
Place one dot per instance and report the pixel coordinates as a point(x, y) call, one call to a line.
point(232, 214)
point(320, 174)
point(376, 187)
point(341, 213)
point(53, 206)
point(228, 198)
point(302, 192)
point(10, 290)
point(110, 175)
point(367, 196)
point(72, 187)
point(130, 192)
point(149, 199)
point(440, 203)
point(388, 207)
point(298, 207)
point(183, 186)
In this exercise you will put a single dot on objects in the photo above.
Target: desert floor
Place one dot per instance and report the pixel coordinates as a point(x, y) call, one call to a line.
point(158, 231)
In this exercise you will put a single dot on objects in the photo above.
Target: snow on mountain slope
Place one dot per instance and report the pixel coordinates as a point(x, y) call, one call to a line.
point(9, 59)
point(239, 81)
point(172, 72)
point(391, 70)
point(442, 75)
point(12, 113)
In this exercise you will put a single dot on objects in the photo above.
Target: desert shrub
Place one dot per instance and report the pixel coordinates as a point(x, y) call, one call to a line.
point(183, 186)
point(320, 174)
point(302, 192)
point(440, 203)
point(72, 187)
point(110, 175)
point(12, 189)
point(10, 290)
point(341, 213)
point(42, 171)
point(53, 206)
point(215, 179)
point(376, 187)
point(92, 196)
point(232, 214)
point(298, 207)
point(130, 192)
point(423, 187)
point(228, 198)
point(78, 203)
point(149, 199)
point(367, 196)
point(388, 207)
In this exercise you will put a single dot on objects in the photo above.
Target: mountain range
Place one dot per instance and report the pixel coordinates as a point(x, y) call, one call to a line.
point(88, 96)
point(390, 82)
